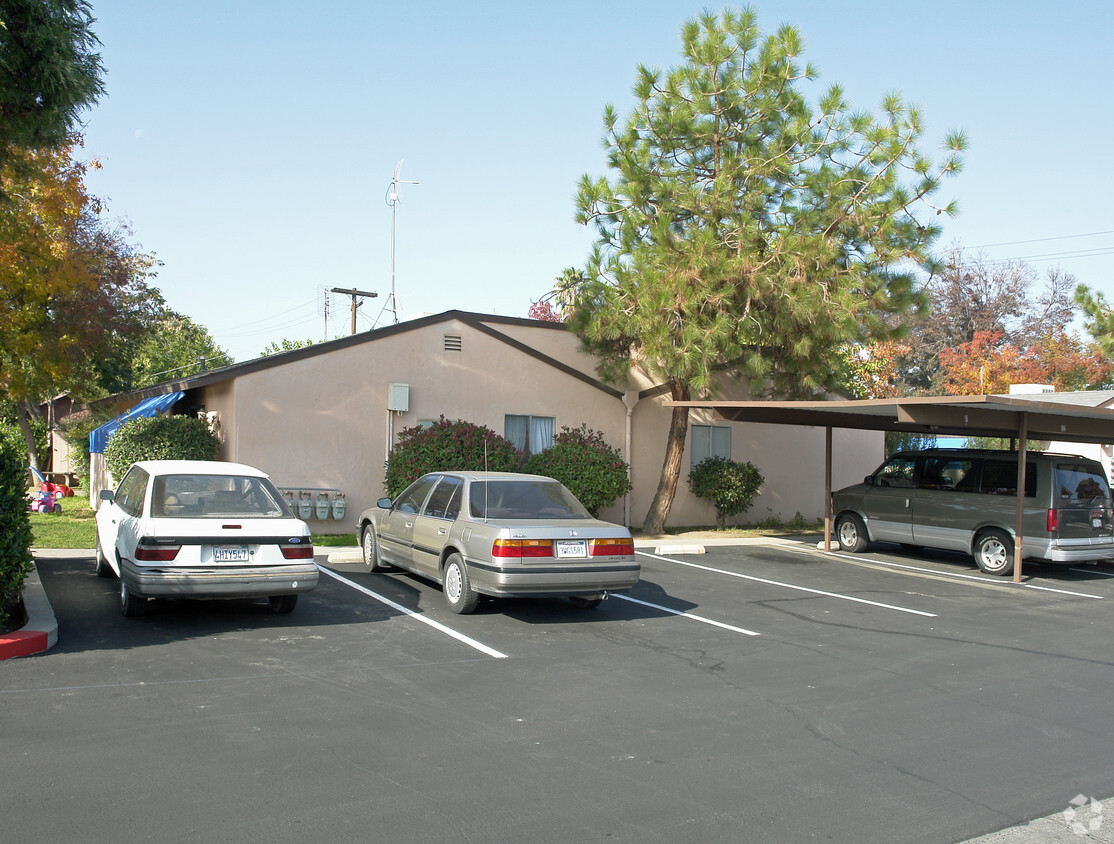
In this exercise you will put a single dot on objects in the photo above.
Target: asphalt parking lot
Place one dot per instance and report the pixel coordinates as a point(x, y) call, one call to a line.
point(756, 693)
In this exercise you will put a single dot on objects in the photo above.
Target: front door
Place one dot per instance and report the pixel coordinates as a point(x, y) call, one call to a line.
point(396, 530)
point(888, 502)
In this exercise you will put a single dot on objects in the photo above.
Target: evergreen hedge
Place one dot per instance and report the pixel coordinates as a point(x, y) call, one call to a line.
point(15, 526)
point(160, 438)
point(594, 471)
point(446, 446)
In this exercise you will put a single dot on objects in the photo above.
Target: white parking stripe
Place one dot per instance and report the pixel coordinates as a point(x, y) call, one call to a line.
point(1005, 584)
point(479, 646)
point(789, 585)
point(742, 630)
point(1099, 572)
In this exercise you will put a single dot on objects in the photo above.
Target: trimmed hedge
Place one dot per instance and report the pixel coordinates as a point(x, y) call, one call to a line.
point(446, 446)
point(594, 471)
point(160, 438)
point(15, 526)
point(729, 485)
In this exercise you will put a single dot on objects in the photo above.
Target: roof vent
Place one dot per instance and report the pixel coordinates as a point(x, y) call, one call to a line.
point(453, 343)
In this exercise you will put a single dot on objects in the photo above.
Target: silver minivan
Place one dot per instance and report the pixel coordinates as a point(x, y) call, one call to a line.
point(966, 500)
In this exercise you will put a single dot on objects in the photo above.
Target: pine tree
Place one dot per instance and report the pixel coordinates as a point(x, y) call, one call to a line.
point(741, 229)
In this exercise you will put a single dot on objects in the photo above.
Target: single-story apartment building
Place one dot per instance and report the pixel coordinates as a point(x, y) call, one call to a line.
point(321, 420)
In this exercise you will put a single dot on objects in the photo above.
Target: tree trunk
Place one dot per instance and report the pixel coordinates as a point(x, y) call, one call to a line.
point(23, 413)
point(671, 467)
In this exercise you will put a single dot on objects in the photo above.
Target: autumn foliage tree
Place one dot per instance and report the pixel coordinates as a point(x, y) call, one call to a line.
point(989, 364)
point(66, 279)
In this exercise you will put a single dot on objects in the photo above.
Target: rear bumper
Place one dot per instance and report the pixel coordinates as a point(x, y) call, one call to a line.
point(1058, 552)
point(218, 582)
point(537, 581)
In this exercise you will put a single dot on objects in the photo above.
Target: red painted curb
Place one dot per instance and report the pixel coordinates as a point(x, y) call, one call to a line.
point(23, 643)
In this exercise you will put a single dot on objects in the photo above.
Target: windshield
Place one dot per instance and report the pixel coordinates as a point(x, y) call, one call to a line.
point(216, 496)
point(523, 499)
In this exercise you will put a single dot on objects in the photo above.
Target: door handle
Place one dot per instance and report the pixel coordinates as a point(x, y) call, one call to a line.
point(441, 531)
point(409, 524)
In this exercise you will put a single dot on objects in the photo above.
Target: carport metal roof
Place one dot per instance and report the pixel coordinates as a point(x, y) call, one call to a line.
point(1084, 417)
point(1069, 417)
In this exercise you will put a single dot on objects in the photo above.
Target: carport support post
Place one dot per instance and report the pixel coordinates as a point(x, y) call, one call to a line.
point(828, 488)
point(1022, 438)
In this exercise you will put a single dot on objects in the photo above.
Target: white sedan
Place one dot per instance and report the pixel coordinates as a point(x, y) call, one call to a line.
point(202, 529)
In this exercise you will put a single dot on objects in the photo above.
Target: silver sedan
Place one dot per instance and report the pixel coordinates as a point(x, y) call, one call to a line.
point(504, 535)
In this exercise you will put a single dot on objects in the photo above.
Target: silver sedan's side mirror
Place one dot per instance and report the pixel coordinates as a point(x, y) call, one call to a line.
point(384, 503)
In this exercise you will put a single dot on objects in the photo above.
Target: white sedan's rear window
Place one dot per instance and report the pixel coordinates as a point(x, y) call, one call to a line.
point(215, 496)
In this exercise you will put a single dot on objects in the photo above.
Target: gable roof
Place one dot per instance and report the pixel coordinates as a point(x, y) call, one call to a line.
point(484, 323)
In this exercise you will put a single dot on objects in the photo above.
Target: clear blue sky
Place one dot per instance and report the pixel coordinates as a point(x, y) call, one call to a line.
point(250, 144)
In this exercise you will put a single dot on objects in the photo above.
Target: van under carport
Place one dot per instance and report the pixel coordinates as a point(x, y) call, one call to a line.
point(1082, 417)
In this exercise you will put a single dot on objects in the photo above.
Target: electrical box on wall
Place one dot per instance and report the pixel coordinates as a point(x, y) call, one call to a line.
point(399, 398)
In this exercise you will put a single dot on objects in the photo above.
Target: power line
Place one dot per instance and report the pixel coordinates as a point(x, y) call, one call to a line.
point(1040, 240)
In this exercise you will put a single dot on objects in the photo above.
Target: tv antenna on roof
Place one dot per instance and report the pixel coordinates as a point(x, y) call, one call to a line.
point(392, 199)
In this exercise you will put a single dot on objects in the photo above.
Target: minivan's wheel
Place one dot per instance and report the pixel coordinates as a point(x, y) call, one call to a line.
point(103, 568)
point(994, 552)
point(851, 533)
point(132, 606)
point(458, 588)
point(371, 550)
point(282, 604)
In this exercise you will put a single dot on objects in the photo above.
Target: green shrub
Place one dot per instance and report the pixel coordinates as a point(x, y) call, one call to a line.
point(729, 485)
point(580, 459)
point(446, 446)
point(159, 438)
point(15, 526)
point(76, 429)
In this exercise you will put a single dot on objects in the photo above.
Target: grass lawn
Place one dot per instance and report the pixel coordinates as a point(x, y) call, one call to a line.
point(72, 528)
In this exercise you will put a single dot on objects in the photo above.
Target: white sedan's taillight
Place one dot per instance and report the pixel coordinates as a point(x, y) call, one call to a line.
point(297, 552)
point(156, 553)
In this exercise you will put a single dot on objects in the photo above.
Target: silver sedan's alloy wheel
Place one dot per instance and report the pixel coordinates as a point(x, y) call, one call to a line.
point(459, 594)
point(371, 550)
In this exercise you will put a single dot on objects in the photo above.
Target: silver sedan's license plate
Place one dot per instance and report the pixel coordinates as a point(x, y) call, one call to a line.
point(572, 548)
point(230, 553)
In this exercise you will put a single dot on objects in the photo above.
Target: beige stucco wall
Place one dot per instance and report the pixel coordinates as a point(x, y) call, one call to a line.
point(321, 421)
point(791, 459)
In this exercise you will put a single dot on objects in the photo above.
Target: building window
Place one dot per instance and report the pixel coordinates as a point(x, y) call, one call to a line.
point(530, 434)
point(710, 441)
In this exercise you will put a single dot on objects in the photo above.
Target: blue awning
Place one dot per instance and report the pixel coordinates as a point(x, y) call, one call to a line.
point(99, 437)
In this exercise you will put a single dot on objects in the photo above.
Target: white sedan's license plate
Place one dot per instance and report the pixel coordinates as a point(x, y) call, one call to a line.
point(572, 548)
point(230, 553)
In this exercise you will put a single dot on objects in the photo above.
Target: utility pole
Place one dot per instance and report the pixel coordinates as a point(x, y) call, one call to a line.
point(355, 294)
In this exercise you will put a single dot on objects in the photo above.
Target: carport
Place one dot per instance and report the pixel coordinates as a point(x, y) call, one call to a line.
point(1082, 417)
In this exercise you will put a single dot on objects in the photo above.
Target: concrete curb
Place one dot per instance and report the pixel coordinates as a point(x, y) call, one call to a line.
point(660, 545)
point(41, 630)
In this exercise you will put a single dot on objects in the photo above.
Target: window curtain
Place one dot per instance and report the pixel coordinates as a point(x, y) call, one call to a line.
point(515, 429)
point(541, 433)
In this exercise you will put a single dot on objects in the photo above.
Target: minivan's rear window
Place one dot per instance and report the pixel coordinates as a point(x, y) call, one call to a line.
point(1081, 483)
